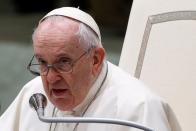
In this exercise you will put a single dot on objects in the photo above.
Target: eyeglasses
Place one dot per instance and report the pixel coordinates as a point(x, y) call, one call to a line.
point(37, 67)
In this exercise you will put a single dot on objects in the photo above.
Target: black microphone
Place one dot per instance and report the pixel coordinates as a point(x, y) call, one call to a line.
point(38, 102)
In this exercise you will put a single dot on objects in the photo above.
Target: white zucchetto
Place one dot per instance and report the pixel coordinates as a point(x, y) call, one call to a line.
point(77, 14)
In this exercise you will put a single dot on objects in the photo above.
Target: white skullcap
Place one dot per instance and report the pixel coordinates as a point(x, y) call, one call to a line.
point(76, 14)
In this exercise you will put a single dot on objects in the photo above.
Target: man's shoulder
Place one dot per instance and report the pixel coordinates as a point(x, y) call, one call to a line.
point(115, 72)
point(128, 90)
point(123, 81)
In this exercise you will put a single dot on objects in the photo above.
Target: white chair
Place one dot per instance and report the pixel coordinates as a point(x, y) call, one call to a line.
point(160, 49)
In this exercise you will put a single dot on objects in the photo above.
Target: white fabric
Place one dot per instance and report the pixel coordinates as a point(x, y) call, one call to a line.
point(120, 97)
point(169, 66)
point(76, 14)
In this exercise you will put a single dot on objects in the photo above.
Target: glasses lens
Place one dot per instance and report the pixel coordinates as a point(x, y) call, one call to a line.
point(35, 68)
point(39, 69)
point(63, 67)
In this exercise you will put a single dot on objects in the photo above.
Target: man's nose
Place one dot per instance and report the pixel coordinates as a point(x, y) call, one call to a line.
point(52, 75)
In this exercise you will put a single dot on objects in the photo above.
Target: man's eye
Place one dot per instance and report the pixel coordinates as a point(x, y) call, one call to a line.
point(64, 61)
point(41, 62)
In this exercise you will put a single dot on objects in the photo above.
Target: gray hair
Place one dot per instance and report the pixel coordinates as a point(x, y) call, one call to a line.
point(87, 37)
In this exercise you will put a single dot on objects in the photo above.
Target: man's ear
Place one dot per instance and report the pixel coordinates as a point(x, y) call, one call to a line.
point(98, 58)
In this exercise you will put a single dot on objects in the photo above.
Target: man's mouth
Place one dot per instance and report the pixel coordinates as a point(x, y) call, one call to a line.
point(59, 93)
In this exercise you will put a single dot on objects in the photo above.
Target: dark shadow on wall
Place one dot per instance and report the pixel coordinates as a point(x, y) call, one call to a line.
point(108, 13)
point(32, 6)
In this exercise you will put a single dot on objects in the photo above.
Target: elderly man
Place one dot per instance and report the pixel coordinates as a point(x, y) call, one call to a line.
point(78, 81)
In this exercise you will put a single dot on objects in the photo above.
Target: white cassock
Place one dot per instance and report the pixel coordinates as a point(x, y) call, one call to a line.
point(115, 94)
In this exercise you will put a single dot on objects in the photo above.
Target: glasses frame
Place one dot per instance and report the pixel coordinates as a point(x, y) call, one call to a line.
point(53, 65)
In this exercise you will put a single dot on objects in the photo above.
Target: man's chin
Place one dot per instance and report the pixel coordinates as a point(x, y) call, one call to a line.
point(64, 107)
point(62, 104)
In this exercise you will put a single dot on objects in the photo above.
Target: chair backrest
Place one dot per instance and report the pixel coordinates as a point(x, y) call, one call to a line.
point(160, 49)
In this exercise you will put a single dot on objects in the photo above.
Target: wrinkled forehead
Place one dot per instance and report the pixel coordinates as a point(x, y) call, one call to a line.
point(56, 28)
point(57, 32)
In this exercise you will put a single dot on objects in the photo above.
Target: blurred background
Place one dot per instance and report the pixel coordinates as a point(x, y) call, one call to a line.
point(18, 18)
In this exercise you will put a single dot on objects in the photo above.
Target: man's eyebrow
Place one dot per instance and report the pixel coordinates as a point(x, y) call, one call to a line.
point(58, 55)
point(64, 55)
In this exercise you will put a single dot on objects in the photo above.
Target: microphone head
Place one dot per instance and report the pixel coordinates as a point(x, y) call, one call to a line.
point(37, 101)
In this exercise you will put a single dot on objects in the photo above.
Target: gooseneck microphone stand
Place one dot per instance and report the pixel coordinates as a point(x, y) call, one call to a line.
point(38, 102)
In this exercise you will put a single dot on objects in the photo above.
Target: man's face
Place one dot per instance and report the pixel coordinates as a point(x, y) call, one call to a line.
point(55, 43)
